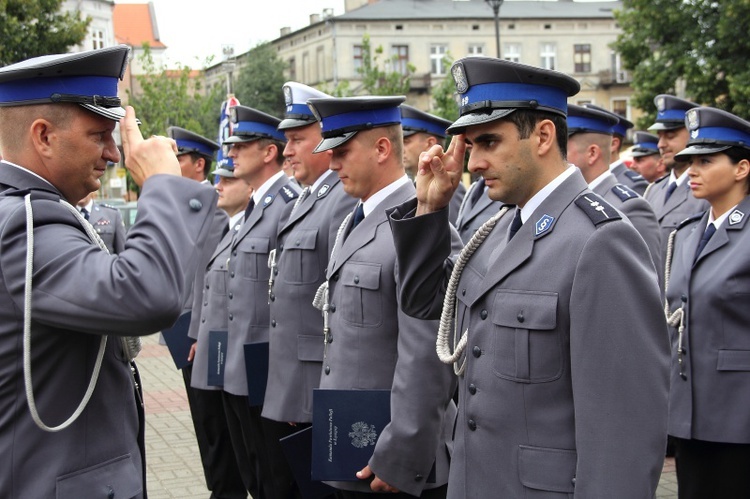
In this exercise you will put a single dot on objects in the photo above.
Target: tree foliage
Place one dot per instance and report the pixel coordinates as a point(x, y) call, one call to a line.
point(30, 28)
point(172, 98)
point(260, 80)
point(444, 95)
point(692, 48)
point(377, 81)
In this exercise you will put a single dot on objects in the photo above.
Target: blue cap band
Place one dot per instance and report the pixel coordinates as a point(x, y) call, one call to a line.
point(255, 128)
point(671, 115)
point(581, 123)
point(43, 88)
point(544, 95)
point(620, 129)
point(196, 146)
point(651, 146)
point(299, 109)
point(720, 134)
point(361, 119)
point(423, 125)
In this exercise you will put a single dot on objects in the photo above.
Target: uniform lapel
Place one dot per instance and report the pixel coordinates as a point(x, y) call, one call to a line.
point(330, 180)
point(508, 257)
point(679, 196)
point(734, 222)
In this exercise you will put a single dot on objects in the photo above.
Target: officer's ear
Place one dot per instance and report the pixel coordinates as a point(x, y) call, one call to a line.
point(43, 136)
point(545, 131)
point(742, 171)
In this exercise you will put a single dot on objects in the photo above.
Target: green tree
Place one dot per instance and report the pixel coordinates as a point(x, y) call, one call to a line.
point(30, 28)
point(172, 98)
point(444, 100)
point(377, 81)
point(697, 45)
point(260, 80)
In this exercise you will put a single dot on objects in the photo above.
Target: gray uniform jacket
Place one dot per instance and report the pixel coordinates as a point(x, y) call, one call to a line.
point(565, 388)
point(247, 284)
point(210, 314)
point(638, 211)
point(711, 402)
point(629, 178)
point(680, 205)
point(140, 289)
point(107, 222)
point(296, 343)
point(375, 345)
point(455, 205)
point(472, 216)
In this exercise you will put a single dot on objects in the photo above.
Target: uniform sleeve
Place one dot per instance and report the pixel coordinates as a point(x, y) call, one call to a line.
point(642, 216)
point(119, 242)
point(424, 249)
point(138, 291)
point(619, 367)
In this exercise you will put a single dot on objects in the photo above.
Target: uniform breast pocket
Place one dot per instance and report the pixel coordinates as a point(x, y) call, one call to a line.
point(299, 260)
point(526, 346)
point(252, 253)
point(361, 301)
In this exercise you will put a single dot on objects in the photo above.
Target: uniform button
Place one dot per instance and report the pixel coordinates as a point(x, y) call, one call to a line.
point(272, 297)
point(684, 298)
point(472, 388)
point(231, 317)
point(477, 352)
point(483, 314)
point(297, 242)
point(520, 317)
point(463, 292)
point(418, 477)
point(327, 370)
point(203, 320)
point(231, 275)
point(335, 277)
point(281, 247)
point(472, 424)
point(110, 492)
point(330, 338)
point(332, 307)
point(234, 253)
point(573, 481)
point(195, 205)
point(231, 295)
point(273, 323)
point(205, 303)
point(356, 279)
point(207, 286)
point(275, 271)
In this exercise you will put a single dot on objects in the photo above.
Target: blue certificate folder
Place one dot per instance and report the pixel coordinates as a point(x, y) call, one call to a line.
point(256, 367)
point(346, 425)
point(217, 357)
point(178, 342)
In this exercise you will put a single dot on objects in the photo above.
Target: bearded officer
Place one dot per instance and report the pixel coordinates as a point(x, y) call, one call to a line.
point(561, 392)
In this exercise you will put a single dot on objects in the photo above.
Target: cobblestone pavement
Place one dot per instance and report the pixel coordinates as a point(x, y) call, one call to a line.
point(174, 467)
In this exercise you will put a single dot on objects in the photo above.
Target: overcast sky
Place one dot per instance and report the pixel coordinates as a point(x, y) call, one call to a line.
point(193, 31)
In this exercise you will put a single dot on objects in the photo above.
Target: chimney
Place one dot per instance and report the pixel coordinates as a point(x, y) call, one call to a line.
point(314, 19)
point(285, 30)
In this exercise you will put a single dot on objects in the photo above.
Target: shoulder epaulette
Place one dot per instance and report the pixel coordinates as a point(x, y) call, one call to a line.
point(111, 206)
point(288, 193)
point(635, 177)
point(689, 220)
point(624, 192)
point(597, 209)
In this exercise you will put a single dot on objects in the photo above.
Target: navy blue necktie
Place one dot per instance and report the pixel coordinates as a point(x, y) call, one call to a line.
point(670, 189)
point(515, 224)
point(710, 230)
point(359, 215)
point(85, 213)
point(249, 208)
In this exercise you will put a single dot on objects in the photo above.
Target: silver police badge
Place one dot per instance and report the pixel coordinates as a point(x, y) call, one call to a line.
point(459, 77)
point(288, 95)
point(661, 104)
point(736, 217)
point(323, 189)
point(692, 118)
point(267, 200)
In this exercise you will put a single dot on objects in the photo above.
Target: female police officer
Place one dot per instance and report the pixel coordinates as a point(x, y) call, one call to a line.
point(707, 294)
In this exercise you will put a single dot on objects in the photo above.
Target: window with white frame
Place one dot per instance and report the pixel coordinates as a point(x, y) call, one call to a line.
point(437, 63)
point(357, 57)
point(512, 52)
point(400, 57)
point(476, 49)
point(98, 39)
point(582, 57)
point(548, 56)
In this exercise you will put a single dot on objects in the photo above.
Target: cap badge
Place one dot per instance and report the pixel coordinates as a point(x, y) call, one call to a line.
point(661, 104)
point(459, 77)
point(693, 120)
point(288, 96)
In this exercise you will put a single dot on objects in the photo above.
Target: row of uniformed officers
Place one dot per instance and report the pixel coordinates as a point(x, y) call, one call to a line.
point(551, 310)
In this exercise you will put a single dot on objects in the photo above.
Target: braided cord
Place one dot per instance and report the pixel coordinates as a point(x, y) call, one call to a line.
point(448, 315)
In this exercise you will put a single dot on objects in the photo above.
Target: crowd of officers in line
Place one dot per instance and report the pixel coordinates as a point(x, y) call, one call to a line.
point(581, 309)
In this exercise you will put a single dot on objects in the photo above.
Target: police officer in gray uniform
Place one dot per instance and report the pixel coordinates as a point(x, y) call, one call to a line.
point(372, 343)
point(106, 220)
point(562, 357)
point(302, 250)
point(671, 197)
point(646, 159)
point(71, 425)
point(709, 418)
point(589, 133)
point(625, 176)
point(421, 131)
point(256, 152)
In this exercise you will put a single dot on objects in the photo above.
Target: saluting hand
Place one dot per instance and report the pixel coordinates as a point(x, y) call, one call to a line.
point(144, 158)
point(439, 174)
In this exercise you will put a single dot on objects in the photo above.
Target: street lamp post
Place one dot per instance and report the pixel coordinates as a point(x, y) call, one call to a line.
point(496, 4)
